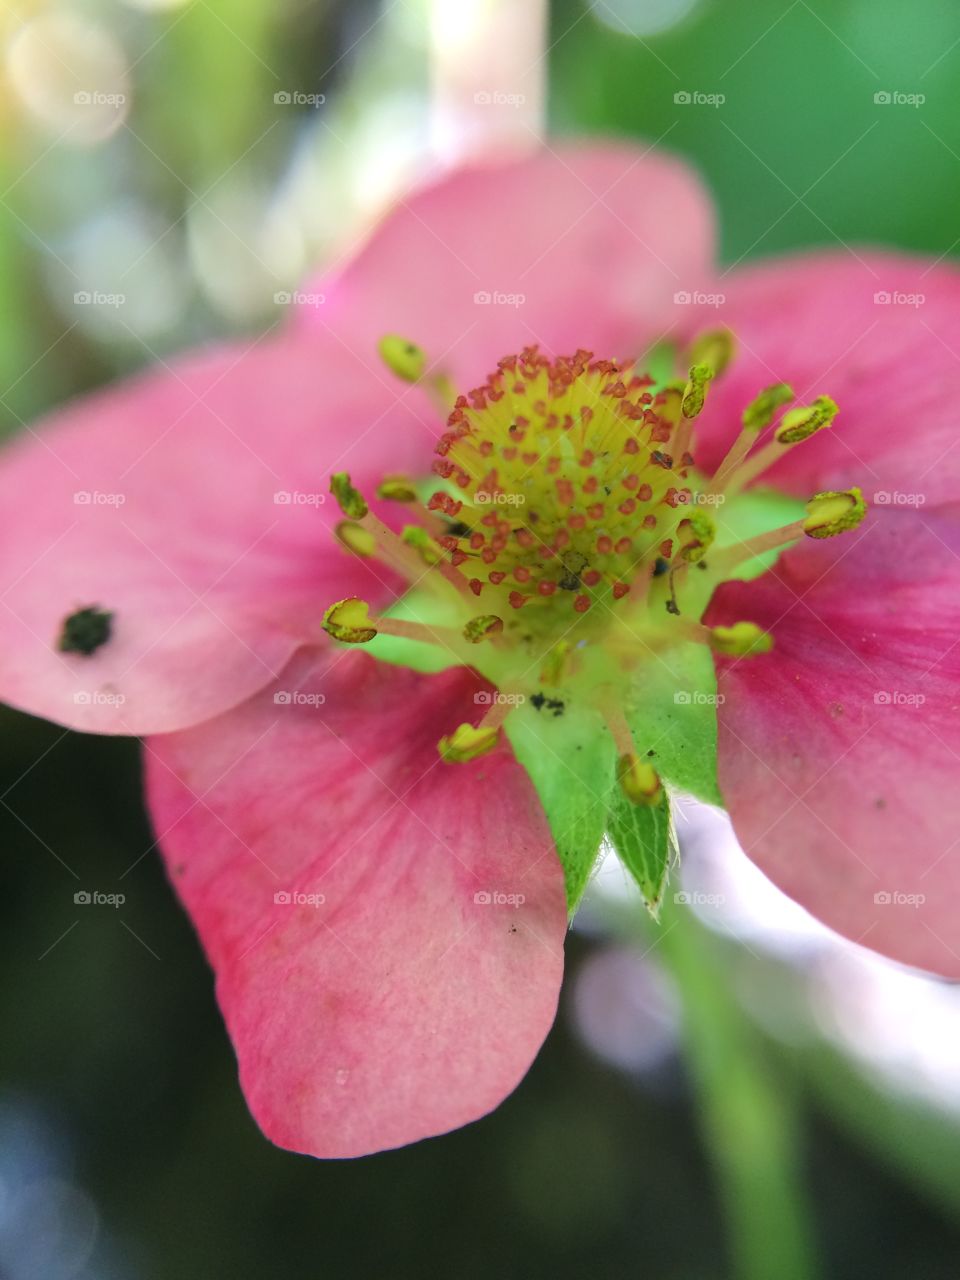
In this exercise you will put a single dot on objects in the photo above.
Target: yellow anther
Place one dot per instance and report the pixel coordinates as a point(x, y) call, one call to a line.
point(467, 742)
point(715, 348)
point(761, 412)
point(418, 538)
point(740, 640)
point(402, 357)
point(397, 489)
point(349, 621)
point(349, 499)
point(639, 781)
point(356, 539)
point(798, 424)
point(695, 392)
point(695, 534)
point(482, 627)
point(834, 511)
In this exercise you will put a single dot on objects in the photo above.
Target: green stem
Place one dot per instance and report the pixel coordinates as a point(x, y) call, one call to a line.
point(748, 1122)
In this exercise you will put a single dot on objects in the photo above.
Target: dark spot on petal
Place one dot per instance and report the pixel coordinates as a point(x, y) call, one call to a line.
point(85, 631)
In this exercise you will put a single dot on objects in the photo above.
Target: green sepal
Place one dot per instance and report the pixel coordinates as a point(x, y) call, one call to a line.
point(571, 761)
point(672, 712)
point(646, 843)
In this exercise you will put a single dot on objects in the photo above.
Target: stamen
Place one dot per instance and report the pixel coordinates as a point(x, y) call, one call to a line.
point(741, 640)
point(402, 357)
point(469, 741)
point(695, 392)
point(409, 362)
point(396, 551)
point(349, 621)
point(695, 535)
point(483, 627)
point(356, 538)
point(800, 424)
point(397, 489)
point(795, 427)
point(828, 514)
point(349, 499)
point(639, 781)
point(833, 512)
point(757, 415)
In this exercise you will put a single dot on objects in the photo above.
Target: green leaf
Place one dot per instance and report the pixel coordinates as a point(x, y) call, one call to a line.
point(646, 843)
point(672, 713)
point(571, 761)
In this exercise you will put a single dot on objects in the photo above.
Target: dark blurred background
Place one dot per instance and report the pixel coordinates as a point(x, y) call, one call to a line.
point(224, 149)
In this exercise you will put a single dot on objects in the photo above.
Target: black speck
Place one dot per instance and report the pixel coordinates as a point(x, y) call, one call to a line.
point(660, 566)
point(674, 608)
point(85, 631)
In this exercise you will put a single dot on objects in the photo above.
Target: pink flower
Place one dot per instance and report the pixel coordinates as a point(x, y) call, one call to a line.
point(386, 920)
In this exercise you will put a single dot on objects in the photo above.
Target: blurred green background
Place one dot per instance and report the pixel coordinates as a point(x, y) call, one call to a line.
point(125, 1147)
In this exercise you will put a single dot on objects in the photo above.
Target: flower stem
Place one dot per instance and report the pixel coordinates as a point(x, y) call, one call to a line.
point(748, 1122)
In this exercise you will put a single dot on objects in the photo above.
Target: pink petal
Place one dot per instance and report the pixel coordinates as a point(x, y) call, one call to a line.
point(402, 1005)
point(156, 500)
point(840, 750)
point(893, 368)
point(595, 239)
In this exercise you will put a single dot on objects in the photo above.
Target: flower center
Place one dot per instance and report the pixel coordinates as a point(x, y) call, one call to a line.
point(570, 482)
point(570, 516)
